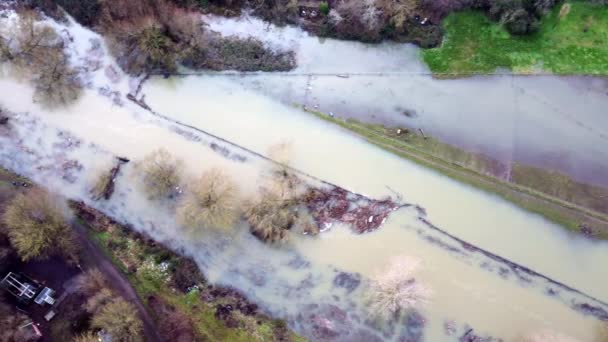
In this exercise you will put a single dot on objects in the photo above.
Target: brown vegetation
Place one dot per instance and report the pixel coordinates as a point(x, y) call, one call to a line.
point(276, 208)
point(271, 215)
point(112, 314)
point(37, 52)
point(10, 323)
point(119, 319)
point(155, 36)
point(37, 226)
point(161, 174)
point(212, 202)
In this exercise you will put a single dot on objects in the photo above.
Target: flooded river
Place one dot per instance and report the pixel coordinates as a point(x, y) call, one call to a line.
point(471, 288)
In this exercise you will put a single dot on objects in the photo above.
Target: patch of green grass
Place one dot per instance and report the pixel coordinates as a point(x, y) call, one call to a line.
point(574, 44)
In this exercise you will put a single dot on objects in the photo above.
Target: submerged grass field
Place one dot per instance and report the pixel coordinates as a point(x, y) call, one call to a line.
point(576, 43)
point(475, 170)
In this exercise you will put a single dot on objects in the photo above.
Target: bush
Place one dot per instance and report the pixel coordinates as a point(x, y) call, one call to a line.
point(91, 282)
point(161, 174)
point(212, 202)
point(37, 226)
point(324, 8)
point(395, 289)
point(270, 216)
point(119, 319)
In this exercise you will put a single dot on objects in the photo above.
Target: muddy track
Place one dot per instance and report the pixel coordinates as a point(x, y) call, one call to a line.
point(94, 257)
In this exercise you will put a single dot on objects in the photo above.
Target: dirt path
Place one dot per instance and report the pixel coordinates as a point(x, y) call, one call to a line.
point(94, 257)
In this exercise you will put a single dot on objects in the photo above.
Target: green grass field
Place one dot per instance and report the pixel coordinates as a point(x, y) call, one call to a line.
point(575, 44)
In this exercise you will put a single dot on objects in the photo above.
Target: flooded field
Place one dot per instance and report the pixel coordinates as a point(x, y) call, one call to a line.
point(511, 118)
point(548, 278)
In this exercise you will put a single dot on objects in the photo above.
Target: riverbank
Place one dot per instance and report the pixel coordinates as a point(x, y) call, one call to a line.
point(570, 41)
point(184, 305)
point(480, 172)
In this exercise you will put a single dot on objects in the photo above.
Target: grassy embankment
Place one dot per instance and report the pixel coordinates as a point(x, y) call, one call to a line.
point(143, 266)
point(549, 194)
point(571, 43)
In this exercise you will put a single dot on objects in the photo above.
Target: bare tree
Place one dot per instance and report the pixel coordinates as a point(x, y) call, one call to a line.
point(99, 300)
point(396, 288)
point(212, 202)
point(271, 215)
point(35, 50)
point(119, 319)
point(91, 282)
point(161, 174)
point(37, 226)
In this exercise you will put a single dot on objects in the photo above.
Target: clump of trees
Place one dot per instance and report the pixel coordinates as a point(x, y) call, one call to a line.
point(396, 289)
point(36, 51)
point(157, 36)
point(37, 226)
point(276, 209)
point(160, 174)
point(271, 215)
point(119, 319)
point(212, 202)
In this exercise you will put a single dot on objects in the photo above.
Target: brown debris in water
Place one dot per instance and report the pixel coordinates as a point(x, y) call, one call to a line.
point(338, 205)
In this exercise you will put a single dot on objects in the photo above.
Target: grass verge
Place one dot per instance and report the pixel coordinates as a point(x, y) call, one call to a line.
point(574, 43)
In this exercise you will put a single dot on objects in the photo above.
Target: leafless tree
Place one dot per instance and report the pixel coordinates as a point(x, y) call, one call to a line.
point(160, 173)
point(212, 202)
point(396, 288)
point(37, 52)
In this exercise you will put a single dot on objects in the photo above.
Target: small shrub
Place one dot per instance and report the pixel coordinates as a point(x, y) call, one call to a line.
point(185, 275)
point(119, 319)
point(212, 202)
point(324, 8)
point(161, 174)
point(91, 282)
point(37, 226)
point(270, 216)
point(396, 289)
point(98, 300)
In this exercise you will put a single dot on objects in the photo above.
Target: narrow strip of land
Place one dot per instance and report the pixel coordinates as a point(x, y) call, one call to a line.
point(564, 213)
